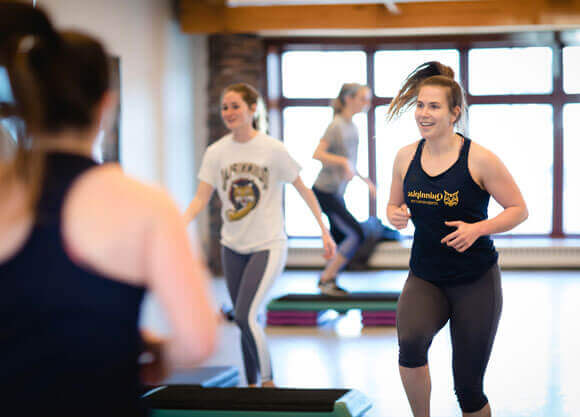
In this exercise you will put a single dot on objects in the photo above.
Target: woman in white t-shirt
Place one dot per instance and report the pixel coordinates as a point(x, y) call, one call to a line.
point(249, 169)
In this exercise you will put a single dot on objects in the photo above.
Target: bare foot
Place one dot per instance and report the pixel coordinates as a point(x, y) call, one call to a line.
point(268, 384)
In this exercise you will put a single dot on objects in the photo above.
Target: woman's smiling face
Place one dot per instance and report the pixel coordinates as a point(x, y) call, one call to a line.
point(235, 111)
point(432, 114)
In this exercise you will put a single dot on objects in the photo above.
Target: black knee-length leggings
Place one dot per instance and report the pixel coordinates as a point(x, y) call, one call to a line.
point(344, 228)
point(473, 311)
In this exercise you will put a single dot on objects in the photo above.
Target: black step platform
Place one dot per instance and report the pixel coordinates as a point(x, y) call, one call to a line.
point(195, 401)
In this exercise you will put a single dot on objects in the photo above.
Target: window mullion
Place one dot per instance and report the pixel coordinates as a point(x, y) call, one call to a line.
point(371, 130)
point(558, 173)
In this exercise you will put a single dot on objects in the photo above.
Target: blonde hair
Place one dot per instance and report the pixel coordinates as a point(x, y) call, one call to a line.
point(251, 96)
point(347, 90)
point(430, 73)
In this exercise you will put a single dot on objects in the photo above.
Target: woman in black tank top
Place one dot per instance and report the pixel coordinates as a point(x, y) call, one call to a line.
point(70, 341)
point(443, 184)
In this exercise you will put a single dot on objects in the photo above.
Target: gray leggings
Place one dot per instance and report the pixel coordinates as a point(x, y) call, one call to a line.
point(248, 278)
point(473, 310)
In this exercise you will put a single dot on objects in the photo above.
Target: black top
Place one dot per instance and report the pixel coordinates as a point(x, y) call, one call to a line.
point(69, 340)
point(451, 195)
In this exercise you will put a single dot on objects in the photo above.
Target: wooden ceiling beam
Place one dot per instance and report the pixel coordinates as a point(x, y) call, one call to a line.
point(213, 16)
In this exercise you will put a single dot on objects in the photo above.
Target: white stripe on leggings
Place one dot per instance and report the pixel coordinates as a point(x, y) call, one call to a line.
point(276, 263)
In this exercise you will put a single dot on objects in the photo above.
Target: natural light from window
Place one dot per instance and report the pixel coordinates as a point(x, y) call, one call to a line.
point(320, 74)
point(571, 169)
point(301, 144)
point(390, 138)
point(392, 67)
point(571, 57)
point(521, 135)
point(510, 71)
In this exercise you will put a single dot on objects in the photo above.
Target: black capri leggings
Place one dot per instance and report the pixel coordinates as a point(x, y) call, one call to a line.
point(345, 230)
point(473, 310)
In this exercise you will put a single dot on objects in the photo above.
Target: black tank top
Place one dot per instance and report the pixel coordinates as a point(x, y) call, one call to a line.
point(69, 340)
point(451, 195)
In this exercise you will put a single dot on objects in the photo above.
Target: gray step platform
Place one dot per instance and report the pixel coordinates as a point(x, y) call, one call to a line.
point(206, 377)
point(209, 376)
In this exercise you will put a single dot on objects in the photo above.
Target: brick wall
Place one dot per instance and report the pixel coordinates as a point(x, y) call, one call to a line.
point(232, 59)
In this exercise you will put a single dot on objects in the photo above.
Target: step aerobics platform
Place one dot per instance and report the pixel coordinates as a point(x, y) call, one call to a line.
point(209, 376)
point(202, 377)
point(196, 401)
point(377, 308)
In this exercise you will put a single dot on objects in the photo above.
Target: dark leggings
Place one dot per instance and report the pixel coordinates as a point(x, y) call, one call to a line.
point(473, 311)
point(345, 230)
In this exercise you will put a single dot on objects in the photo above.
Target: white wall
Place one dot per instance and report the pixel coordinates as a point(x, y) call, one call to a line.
point(163, 103)
point(163, 93)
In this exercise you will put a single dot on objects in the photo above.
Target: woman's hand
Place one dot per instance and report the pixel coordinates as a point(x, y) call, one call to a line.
point(312, 202)
point(372, 187)
point(328, 244)
point(348, 169)
point(399, 216)
point(154, 366)
point(199, 202)
point(462, 238)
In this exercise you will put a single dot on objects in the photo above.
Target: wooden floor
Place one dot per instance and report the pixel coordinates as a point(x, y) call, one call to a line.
point(534, 369)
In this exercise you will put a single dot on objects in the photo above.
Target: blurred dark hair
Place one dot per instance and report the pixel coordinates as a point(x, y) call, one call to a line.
point(57, 80)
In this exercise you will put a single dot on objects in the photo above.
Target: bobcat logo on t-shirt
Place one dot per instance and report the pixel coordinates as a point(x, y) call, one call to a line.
point(244, 196)
point(451, 199)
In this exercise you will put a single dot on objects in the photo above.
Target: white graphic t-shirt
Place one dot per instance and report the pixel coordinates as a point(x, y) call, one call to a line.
point(249, 178)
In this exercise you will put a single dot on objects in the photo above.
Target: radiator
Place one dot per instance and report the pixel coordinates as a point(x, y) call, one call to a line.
point(523, 254)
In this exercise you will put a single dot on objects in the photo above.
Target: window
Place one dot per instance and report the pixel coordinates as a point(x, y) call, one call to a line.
point(571, 60)
point(515, 96)
point(521, 136)
point(319, 75)
point(314, 74)
point(391, 67)
point(510, 71)
point(301, 144)
point(571, 169)
point(390, 138)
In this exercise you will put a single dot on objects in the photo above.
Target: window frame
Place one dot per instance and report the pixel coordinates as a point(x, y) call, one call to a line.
point(556, 40)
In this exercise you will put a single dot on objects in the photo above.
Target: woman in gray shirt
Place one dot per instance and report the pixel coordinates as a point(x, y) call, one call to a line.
point(337, 151)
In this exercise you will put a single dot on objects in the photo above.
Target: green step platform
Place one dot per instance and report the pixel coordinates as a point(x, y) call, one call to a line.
point(196, 401)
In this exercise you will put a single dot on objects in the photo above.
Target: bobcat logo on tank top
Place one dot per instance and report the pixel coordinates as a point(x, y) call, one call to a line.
point(244, 195)
point(451, 199)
